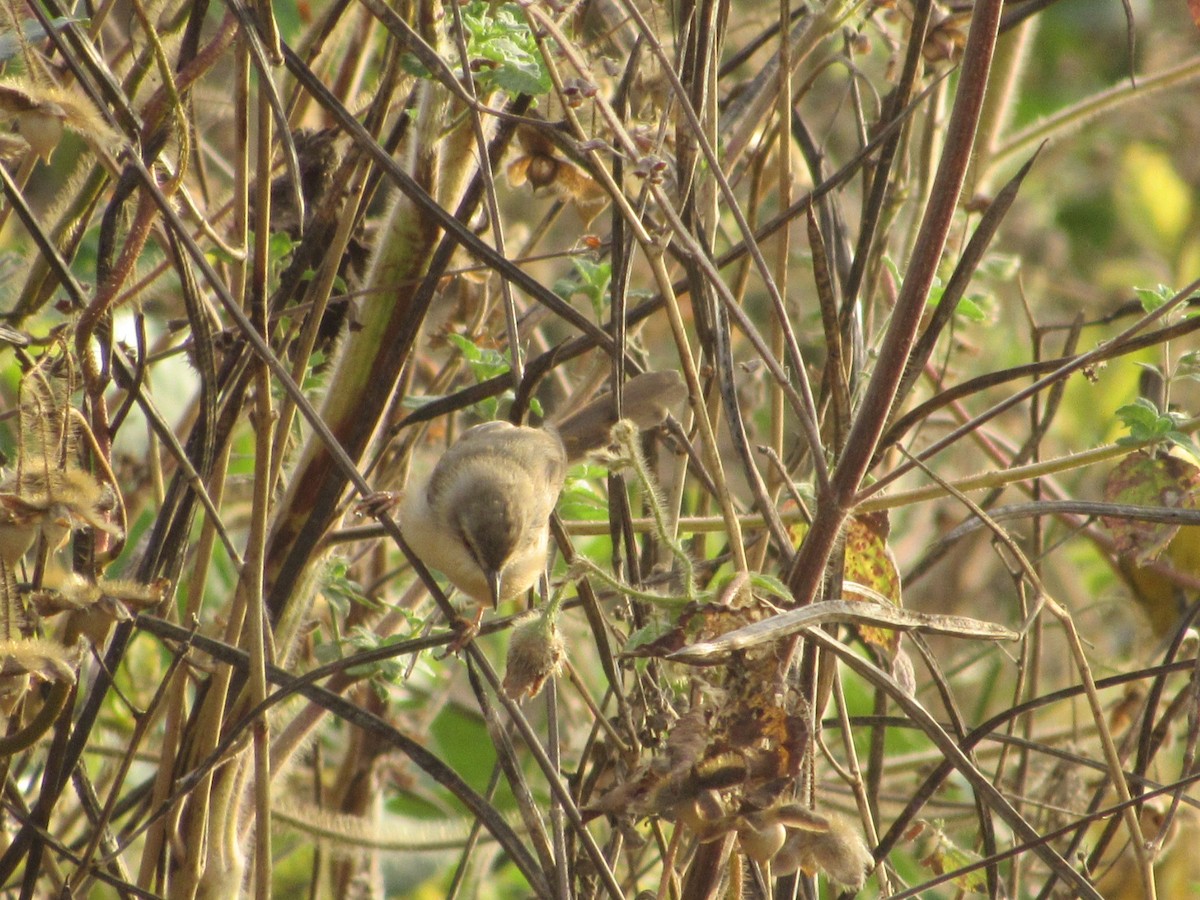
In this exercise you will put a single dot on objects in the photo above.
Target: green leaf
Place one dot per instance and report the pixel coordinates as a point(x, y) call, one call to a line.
point(341, 590)
point(1152, 298)
point(1001, 267)
point(362, 640)
point(946, 857)
point(975, 308)
point(279, 246)
point(869, 562)
point(1146, 423)
point(485, 362)
point(770, 585)
point(461, 739)
point(580, 500)
point(1189, 366)
point(502, 51)
point(594, 276)
point(591, 279)
point(1148, 479)
point(413, 66)
point(647, 634)
point(521, 77)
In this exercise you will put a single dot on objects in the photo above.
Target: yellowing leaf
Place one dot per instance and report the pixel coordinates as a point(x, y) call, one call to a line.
point(869, 562)
point(1153, 195)
point(1145, 480)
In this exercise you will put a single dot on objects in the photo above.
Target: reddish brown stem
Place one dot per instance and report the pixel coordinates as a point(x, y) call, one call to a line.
point(836, 502)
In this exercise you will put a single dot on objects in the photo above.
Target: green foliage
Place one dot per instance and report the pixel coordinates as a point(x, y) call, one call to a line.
point(1188, 366)
point(591, 280)
point(486, 363)
point(462, 739)
point(976, 307)
point(361, 640)
point(1106, 206)
point(341, 591)
point(942, 855)
point(1147, 423)
point(502, 50)
point(1155, 297)
point(580, 498)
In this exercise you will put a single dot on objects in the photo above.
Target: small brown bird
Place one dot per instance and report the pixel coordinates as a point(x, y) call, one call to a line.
point(482, 517)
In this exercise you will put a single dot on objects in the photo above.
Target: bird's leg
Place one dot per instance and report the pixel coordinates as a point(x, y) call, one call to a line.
point(464, 630)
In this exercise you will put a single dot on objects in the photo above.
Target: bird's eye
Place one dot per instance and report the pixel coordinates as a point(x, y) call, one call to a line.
point(466, 540)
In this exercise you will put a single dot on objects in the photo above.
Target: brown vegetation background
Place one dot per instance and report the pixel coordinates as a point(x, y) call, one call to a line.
point(929, 272)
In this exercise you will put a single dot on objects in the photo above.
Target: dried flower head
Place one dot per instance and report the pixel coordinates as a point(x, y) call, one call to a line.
point(541, 166)
point(837, 850)
point(535, 653)
point(19, 522)
point(43, 111)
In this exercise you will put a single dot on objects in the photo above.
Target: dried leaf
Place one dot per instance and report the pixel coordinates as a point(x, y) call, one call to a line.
point(781, 625)
point(904, 673)
point(540, 166)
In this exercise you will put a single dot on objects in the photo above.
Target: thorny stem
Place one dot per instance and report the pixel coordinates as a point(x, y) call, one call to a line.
point(835, 503)
point(583, 565)
point(627, 440)
point(252, 572)
point(1023, 142)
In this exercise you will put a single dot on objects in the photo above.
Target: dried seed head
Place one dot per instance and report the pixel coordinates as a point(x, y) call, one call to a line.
point(576, 91)
point(18, 527)
point(651, 168)
point(761, 844)
point(839, 852)
point(535, 653)
point(42, 128)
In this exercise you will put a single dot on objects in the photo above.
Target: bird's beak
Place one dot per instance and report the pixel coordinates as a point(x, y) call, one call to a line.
point(493, 580)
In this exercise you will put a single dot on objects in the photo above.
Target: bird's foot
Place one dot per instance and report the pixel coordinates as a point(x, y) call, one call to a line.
point(465, 630)
point(377, 503)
